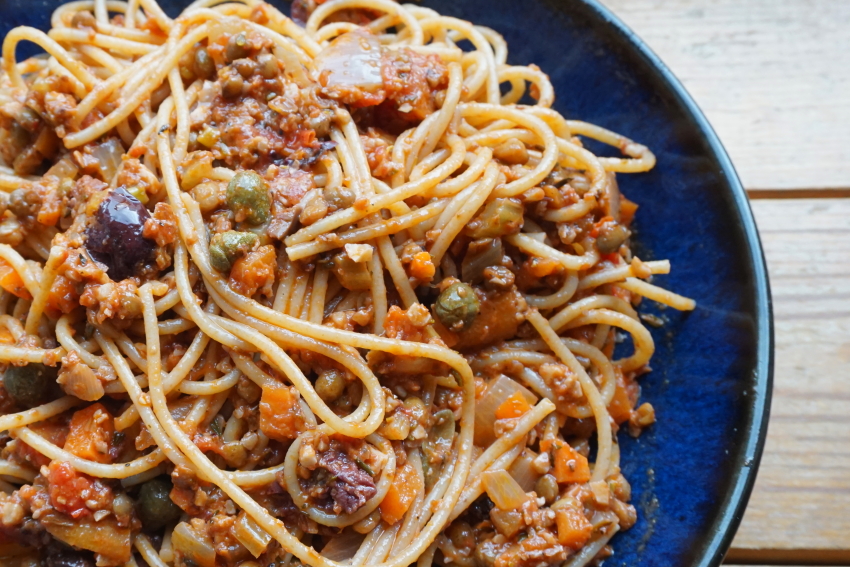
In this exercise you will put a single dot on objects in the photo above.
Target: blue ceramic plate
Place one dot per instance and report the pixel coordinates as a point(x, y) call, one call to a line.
point(693, 471)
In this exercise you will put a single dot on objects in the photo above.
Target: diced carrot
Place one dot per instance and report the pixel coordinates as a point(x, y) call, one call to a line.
point(63, 296)
point(573, 528)
point(403, 490)
point(254, 271)
point(422, 268)
point(280, 412)
point(6, 337)
point(620, 407)
point(90, 434)
point(627, 210)
point(11, 281)
point(514, 406)
point(542, 267)
point(571, 466)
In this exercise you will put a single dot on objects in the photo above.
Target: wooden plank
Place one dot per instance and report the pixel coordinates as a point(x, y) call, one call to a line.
point(799, 510)
point(772, 76)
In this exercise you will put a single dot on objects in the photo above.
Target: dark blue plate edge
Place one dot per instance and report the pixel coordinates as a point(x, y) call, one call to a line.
point(749, 457)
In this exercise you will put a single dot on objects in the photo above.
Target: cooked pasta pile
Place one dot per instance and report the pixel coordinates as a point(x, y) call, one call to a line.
point(321, 290)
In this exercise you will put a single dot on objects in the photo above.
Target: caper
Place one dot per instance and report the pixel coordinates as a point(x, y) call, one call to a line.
point(231, 83)
point(268, 66)
point(339, 196)
point(436, 448)
point(227, 247)
point(611, 237)
point(499, 217)
point(155, 507)
point(19, 136)
point(547, 488)
point(237, 47)
point(30, 385)
point(245, 67)
point(24, 203)
point(352, 275)
point(186, 65)
point(457, 306)
point(461, 535)
point(203, 65)
point(330, 385)
point(248, 197)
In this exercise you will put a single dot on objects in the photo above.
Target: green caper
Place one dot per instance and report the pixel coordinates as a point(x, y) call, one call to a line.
point(30, 385)
point(330, 385)
point(499, 217)
point(339, 196)
point(268, 65)
point(155, 507)
point(186, 66)
point(438, 444)
point(547, 488)
point(227, 247)
point(611, 237)
point(231, 83)
point(461, 535)
point(457, 306)
point(245, 67)
point(24, 203)
point(203, 65)
point(19, 136)
point(237, 47)
point(248, 197)
point(352, 275)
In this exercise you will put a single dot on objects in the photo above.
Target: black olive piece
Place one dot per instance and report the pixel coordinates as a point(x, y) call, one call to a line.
point(115, 239)
point(154, 506)
point(31, 385)
point(57, 555)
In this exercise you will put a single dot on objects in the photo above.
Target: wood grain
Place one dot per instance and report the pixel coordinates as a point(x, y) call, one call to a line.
point(800, 509)
point(773, 77)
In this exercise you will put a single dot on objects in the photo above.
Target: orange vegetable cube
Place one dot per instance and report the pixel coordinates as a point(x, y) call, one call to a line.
point(514, 406)
point(90, 434)
point(403, 490)
point(570, 466)
point(11, 281)
point(6, 337)
point(621, 404)
point(280, 412)
point(422, 268)
point(573, 527)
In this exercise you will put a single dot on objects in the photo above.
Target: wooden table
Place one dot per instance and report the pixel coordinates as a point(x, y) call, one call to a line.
point(773, 77)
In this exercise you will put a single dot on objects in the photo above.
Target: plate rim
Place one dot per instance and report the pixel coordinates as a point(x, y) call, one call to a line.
point(748, 458)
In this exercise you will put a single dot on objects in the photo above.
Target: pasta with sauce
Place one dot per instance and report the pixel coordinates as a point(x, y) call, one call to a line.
point(321, 291)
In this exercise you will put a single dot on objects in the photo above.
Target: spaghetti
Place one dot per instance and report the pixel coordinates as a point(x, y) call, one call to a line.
point(330, 290)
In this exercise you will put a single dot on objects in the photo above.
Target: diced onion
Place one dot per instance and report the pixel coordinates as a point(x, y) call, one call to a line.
point(197, 547)
point(63, 168)
point(352, 60)
point(485, 407)
point(252, 536)
point(108, 156)
point(523, 472)
point(292, 66)
point(503, 490)
point(343, 546)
